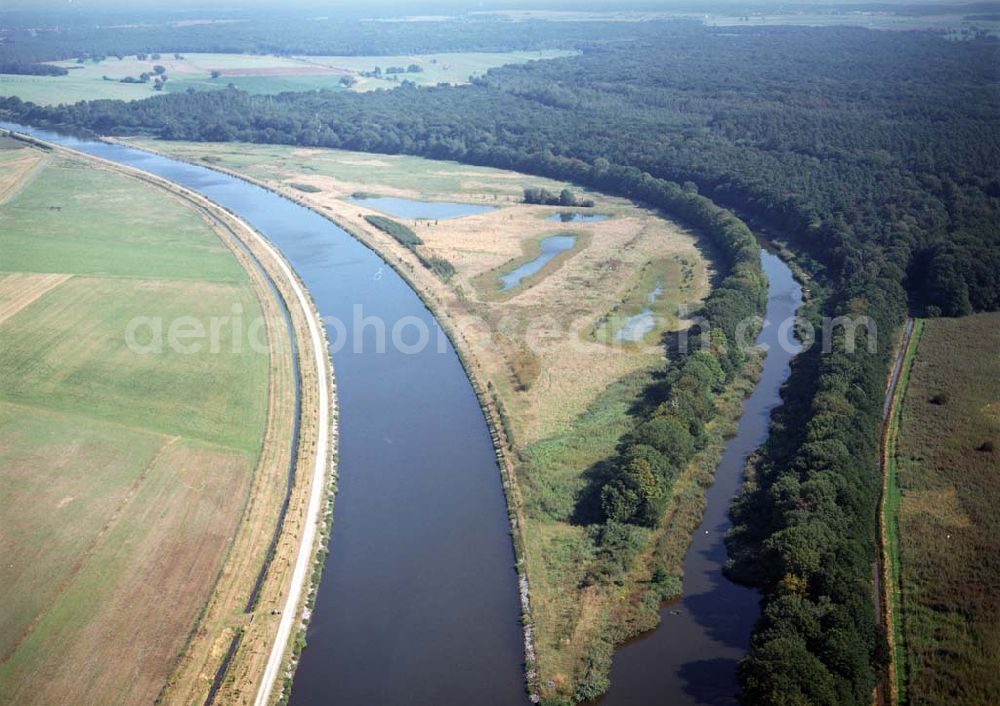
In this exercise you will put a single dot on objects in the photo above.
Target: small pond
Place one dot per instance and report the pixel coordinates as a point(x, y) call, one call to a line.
point(426, 210)
point(567, 217)
point(551, 246)
point(636, 328)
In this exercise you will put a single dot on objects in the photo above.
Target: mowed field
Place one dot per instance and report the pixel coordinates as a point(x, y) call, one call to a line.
point(123, 475)
point(948, 460)
point(253, 73)
point(546, 348)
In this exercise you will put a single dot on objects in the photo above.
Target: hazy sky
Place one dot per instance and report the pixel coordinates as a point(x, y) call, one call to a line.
point(406, 7)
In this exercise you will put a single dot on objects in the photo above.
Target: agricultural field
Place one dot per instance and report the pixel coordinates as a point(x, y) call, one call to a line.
point(546, 348)
point(949, 533)
point(253, 73)
point(954, 24)
point(124, 475)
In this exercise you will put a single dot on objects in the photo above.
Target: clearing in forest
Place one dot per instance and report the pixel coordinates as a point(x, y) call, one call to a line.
point(103, 79)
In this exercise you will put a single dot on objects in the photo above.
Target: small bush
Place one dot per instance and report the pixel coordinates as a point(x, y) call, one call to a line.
point(403, 234)
point(439, 266)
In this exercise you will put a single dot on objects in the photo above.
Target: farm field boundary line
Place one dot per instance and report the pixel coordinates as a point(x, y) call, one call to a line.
point(24, 180)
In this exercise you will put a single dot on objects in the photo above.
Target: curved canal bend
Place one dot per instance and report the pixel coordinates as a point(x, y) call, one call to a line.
point(418, 602)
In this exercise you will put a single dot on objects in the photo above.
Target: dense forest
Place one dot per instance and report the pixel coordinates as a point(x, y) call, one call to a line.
point(875, 155)
point(94, 36)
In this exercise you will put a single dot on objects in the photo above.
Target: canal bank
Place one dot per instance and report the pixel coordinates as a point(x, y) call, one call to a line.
point(490, 404)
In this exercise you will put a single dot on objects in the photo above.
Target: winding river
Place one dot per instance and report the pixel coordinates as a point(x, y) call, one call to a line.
point(418, 603)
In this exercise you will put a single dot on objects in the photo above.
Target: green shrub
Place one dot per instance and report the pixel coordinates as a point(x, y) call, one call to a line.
point(403, 234)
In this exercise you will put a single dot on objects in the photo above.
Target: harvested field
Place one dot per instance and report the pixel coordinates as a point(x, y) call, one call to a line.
point(16, 167)
point(152, 237)
point(18, 289)
point(949, 532)
point(141, 583)
point(96, 374)
point(286, 71)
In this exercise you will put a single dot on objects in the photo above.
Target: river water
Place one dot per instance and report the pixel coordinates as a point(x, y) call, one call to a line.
point(418, 603)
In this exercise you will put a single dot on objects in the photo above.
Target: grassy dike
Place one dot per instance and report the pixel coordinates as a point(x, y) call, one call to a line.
point(240, 648)
point(490, 403)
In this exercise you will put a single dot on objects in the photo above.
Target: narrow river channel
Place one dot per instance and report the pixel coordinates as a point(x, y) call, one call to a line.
point(692, 657)
point(418, 603)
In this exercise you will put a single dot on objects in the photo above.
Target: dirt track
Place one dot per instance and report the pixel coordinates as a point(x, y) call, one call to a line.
point(883, 588)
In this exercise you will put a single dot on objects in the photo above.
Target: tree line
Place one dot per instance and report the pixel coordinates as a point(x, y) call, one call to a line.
point(28, 69)
point(64, 33)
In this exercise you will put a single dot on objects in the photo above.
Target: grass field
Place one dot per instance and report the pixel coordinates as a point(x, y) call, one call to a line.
point(252, 73)
point(123, 476)
point(948, 473)
point(563, 391)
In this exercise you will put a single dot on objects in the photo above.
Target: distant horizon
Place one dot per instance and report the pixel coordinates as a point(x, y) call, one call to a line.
point(402, 8)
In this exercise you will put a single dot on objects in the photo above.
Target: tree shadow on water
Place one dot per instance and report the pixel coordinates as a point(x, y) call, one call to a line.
point(711, 682)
